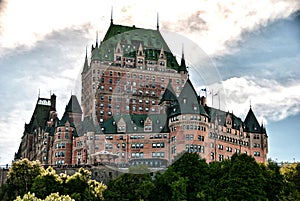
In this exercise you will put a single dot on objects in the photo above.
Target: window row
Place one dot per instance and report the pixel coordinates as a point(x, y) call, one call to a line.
point(60, 154)
point(158, 154)
point(60, 145)
point(194, 148)
point(137, 155)
point(193, 127)
point(158, 145)
point(137, 146)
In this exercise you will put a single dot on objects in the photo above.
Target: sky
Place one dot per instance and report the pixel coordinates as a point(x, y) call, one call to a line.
point(251, 47)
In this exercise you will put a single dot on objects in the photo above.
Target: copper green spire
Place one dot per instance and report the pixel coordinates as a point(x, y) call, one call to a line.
point(85, 65)
point(157, 23)
point(182, 66)
point(111, 16)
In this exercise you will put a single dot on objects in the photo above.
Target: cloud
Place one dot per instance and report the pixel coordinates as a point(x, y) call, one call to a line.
point(270, 99)
point(217, 27)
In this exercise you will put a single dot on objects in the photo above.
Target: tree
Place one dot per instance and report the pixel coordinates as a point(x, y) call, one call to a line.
point(243, 181)
point(129, 187)
point(195, 169)
point(46, 183)
point(274, 180)
point(80, 186)
point(291, 175)
point(51, 197)
point(21, 177)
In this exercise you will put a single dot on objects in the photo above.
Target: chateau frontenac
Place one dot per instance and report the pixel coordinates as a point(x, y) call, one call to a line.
point(138, 106)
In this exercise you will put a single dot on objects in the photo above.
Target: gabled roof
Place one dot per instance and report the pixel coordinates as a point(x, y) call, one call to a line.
point(73, 106)
point(251, 123)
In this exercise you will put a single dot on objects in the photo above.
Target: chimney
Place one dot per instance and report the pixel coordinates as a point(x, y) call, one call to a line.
point(203, 100)
point(53, 102)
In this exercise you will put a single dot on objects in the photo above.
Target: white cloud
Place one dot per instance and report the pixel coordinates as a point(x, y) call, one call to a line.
point(215, 26)
point(270, 99)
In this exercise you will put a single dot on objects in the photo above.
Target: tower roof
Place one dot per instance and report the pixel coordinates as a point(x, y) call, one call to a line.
point(251, 123)
point(169, 94)
point(182, 66)
point(86, 64)
point(73, 106)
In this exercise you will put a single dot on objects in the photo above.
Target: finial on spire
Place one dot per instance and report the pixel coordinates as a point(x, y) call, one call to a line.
point(86, 51)
point(250, 103)
point(39, 93)
point(97, 39)
point(182, 50)
point(111, 15)
point(157, 23)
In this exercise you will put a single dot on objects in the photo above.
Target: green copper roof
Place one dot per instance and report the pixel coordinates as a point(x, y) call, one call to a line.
point(169, 94)
point(130, 39)
point(85, 65)
point(86, 125)
point(182, 66)
point(135, 123)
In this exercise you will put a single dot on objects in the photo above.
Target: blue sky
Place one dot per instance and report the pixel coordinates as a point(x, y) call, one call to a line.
point(253, 48)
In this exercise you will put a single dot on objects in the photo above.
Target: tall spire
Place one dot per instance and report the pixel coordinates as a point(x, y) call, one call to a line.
point(157, 23)
point(111, 16)
point(97, 39)
point(182, 67)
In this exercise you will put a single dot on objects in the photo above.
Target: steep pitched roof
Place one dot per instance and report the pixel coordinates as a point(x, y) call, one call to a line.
point(188, 99)
point(182, 66)
point(73, 105)
point(85, 65)
point(40, 115)
point(86, 125)
point(169, 94)
point(251, 123)
point(130, 39)
point(66, 118)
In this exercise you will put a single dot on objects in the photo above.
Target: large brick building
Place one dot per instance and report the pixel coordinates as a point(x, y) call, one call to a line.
point(138, 106)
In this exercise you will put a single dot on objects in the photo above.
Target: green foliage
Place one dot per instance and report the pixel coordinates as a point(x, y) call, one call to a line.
point(129, 187)
point(243, 181)
point(20, 177)
point(25, 176)
point(46, 183)
point(139, 169)
point(291, 175)
point(51, 197)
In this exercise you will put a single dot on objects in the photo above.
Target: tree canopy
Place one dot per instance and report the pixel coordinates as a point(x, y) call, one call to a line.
point(188, 178)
